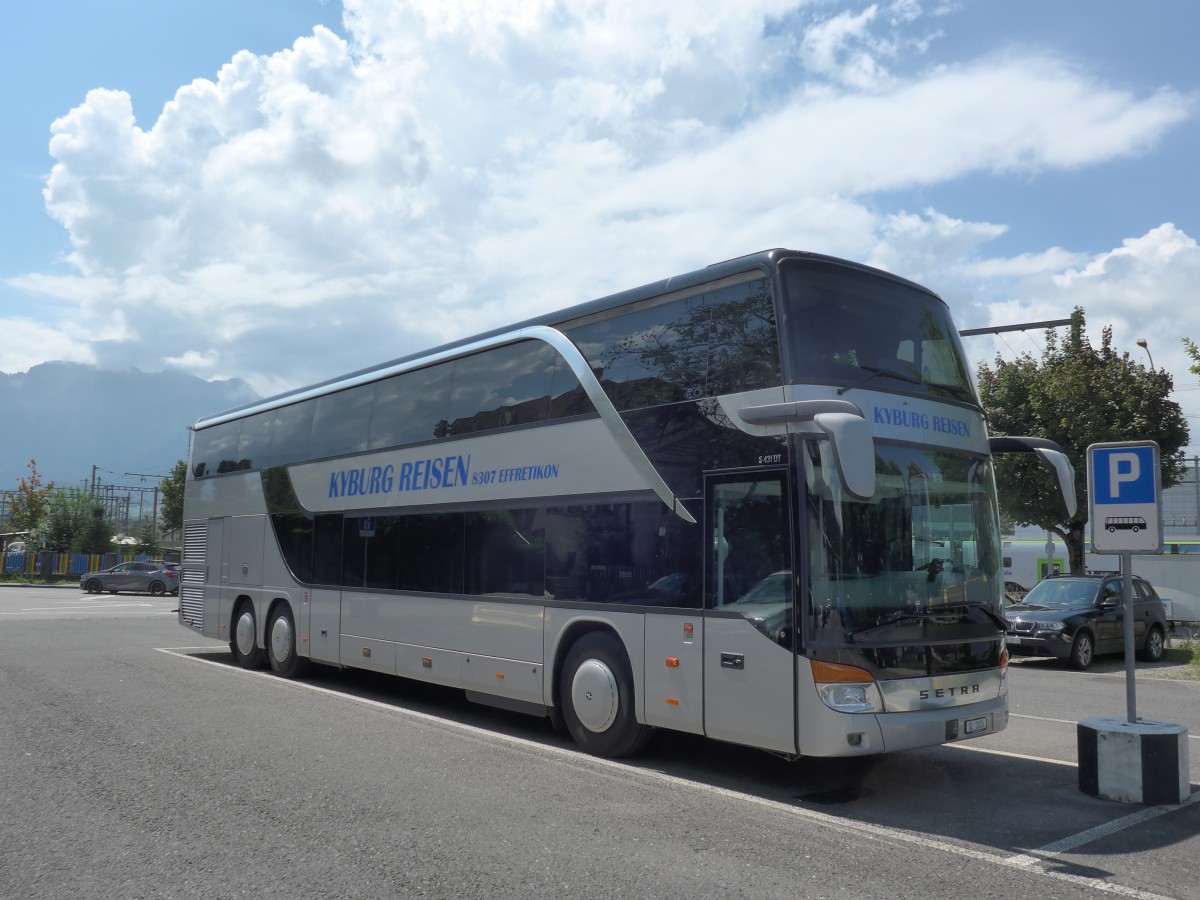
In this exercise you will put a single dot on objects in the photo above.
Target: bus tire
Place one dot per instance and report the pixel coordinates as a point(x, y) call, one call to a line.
point(596, 692)
point(281, 644)
point(242, 642)
point(1155, 647)
point(1083, 650)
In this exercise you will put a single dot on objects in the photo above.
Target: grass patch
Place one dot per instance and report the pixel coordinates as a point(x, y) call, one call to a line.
point(1185, 653)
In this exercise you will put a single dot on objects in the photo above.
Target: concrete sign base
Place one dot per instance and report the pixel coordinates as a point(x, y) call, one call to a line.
point(1133, 762)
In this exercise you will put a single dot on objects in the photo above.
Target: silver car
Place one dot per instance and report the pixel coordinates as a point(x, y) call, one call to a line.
point(146, 578)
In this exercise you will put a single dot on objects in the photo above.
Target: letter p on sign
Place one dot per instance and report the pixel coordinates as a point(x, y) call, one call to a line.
point(1123, 468)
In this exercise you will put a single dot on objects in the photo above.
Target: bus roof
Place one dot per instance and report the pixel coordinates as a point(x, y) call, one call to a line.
point(764, 259)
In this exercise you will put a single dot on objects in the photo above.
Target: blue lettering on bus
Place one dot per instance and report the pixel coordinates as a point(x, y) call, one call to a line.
point(947, 425)
point(902, 418)
point(430, 474)
point(906, 418)
point(361, 482)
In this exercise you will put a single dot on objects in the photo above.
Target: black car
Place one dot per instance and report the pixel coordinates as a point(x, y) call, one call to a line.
point(1074, 617)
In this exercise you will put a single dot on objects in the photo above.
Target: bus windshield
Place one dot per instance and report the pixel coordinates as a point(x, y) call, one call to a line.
point(926, 544)
point(842, 328)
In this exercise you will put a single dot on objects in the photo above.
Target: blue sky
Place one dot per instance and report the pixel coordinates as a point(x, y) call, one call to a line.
point(238, 195)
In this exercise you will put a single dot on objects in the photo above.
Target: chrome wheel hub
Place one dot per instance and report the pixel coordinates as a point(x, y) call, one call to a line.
point(594, 695)
point(281, 639)
point(244, 633)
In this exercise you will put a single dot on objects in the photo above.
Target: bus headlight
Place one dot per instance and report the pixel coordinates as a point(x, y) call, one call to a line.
point(846, 689)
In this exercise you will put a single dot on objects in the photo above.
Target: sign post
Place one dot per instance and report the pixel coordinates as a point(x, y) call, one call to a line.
point(1138, 760)
point(1125, 511)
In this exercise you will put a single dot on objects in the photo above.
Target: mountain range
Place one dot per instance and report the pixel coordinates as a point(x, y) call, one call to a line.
point(127, 423)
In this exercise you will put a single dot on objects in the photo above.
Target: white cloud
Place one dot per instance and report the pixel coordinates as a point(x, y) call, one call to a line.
point(1146, 288)
point(451, 166)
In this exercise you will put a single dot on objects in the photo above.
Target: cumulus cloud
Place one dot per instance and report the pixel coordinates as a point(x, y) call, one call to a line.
point(1143, 289)
point(446, 167)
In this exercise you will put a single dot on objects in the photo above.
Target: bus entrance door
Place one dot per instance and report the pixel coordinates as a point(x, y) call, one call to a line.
point(749, 666)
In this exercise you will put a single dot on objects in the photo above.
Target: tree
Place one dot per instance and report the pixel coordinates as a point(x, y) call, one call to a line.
point(1076, 395)
point(76, 523)
point(29, 505)
point(171, 488)
point(1194, 352)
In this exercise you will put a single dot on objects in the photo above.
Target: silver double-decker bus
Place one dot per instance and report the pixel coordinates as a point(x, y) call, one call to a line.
point(753, 502)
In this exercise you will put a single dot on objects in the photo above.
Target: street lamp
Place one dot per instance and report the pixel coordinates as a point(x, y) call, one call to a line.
point(1141, 342)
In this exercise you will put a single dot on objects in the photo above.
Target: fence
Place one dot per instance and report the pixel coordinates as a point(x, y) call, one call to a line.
point(49, 563)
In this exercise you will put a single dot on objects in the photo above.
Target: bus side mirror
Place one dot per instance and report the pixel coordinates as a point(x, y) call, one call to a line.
point(842, 423)
point(1051, 456)
point(853, 450)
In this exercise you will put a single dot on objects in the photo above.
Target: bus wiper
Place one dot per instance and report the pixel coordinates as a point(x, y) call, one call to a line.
point(923, 615)
point(1000, 621)
point(906, 619)
point(877, 371)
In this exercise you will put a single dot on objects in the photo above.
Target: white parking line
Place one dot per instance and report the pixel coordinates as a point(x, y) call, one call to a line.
point(95, 607)
point(1190, 737)
point(1026, 862)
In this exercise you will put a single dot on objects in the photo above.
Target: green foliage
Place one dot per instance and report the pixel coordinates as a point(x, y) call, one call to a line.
point(1076, 395)
point(76, 523)
point(171, 488)
point(1193, 351)
point(29, 505)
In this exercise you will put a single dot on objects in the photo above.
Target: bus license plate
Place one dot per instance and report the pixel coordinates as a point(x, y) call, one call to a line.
point(974, 726)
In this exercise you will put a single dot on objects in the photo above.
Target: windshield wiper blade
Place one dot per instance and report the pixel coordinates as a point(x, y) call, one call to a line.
point(983, 608)
point(934, 613)
point(877, 371)
point(907, 619)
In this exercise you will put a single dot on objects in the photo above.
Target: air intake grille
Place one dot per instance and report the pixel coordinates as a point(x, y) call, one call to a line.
point(191, 587)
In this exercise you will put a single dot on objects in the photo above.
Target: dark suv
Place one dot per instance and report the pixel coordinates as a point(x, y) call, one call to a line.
point(1074, 617)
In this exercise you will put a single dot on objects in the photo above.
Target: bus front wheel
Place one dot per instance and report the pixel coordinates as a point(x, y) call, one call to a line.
point(242, 644)
point(596, 692)
point(281, 644)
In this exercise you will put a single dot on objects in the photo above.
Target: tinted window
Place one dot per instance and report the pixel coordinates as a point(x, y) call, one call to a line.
point(505, 386)
point(327, 549)
point(341, 422)
point(406, 553)
point(215, 449)
point(649, 356)
point(505, 553)
point(254, 442)
point(720, 342)
point(744, 344)
point(629, 553)
point(290, 434)
point(845, 325)
point(567, 397)
point(411, 407)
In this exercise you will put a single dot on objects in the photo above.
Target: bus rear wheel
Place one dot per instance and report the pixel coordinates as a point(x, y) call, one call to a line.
point(242, 644)
point(596, 692)
point(281, 644)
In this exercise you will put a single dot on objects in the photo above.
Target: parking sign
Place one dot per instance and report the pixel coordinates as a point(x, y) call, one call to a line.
point(1125, 497)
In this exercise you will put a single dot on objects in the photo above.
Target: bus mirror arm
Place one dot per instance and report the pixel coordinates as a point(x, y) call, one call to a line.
point(839, 420)
point(1051, 456)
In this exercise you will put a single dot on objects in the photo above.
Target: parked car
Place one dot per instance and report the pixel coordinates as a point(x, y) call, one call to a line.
point(131, 576)
point(1075, 617)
